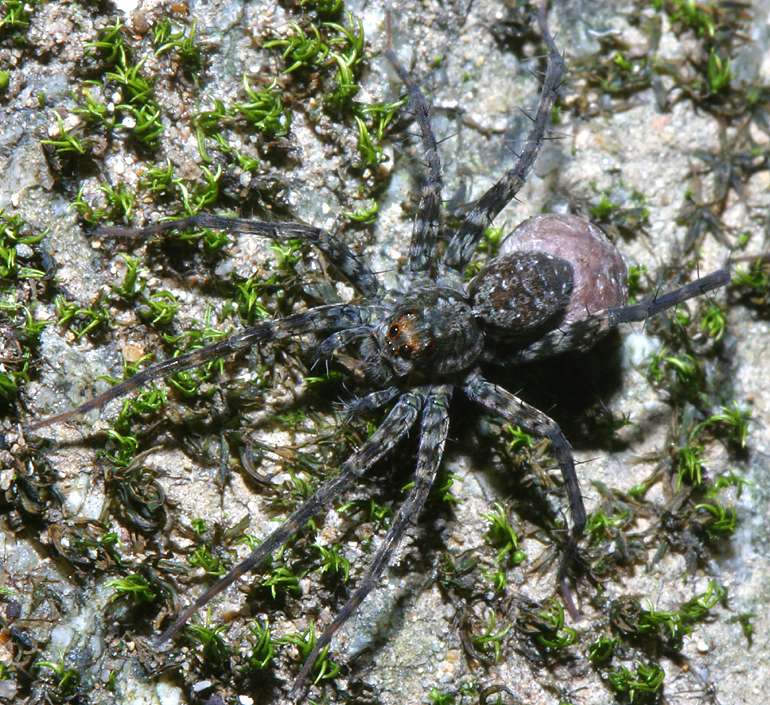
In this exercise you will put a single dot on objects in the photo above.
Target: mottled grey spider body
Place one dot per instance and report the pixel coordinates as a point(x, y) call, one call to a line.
point(419, 346)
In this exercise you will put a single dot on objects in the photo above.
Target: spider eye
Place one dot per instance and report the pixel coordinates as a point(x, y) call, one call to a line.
point(393, 331)
point(405, 351)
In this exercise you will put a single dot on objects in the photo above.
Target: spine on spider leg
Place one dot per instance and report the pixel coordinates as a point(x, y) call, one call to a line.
point(508, 407)
point(654, 305)
point(370, 402)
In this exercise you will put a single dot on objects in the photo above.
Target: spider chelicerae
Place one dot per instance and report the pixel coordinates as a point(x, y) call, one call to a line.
point(549, 292)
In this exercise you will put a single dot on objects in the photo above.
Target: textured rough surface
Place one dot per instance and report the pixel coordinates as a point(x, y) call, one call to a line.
point(518, 293)
point(405, 640)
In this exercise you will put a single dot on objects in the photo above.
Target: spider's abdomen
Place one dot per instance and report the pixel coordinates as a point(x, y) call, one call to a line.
point(599, 272)
point(552, 270)
point(520, 293)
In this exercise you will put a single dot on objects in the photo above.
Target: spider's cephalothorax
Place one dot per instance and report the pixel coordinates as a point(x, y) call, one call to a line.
point(557, 285)
point(430, 334)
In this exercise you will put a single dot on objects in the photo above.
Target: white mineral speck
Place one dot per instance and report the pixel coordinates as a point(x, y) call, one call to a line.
point(200, 686)
point(638, 348)
point(6, 478)
point(168, 693)
point(61, 636)
point(71, 122)
point(127, 7)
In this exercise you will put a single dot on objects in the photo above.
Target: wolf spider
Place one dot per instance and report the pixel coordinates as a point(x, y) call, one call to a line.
point(420, 343)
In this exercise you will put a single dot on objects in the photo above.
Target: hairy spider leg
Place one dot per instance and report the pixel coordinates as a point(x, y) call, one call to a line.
point(433, 434)
point(321, 318)
point(370, 402)
point(654, 305)
point(338, 253)
point(582, 334)
point(422, 249)
point(502, 403)
point(395, 426)
point(485, 210)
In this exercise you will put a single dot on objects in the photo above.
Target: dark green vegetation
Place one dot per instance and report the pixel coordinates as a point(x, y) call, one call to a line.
point(136, 96)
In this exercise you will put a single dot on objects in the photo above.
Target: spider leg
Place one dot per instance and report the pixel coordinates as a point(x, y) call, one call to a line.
point(656, 304)
point(582, 334)
point(422, 248)
point(339, 254)
point(433, 434)
point(464, 242)
point(320, 318)
point(502, 403)
point(370, 402)
point(395, 426)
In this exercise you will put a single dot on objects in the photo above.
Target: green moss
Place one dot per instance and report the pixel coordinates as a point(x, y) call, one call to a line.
point(133, 281)
point(15, 233)
point(438, 697)
point(159, 308)
point(213, 651)
point(264, 109)
point(365, 215)
point(718, 73)
point(332, 562)
point(82, 320)
point(641, 686)
point(15, 16)
point(325, 8)
point(600, 652)
point(324, 669)
point(93, 111)
point(490, 640)
point(263, 646)
point(111, 47)
point(202, 557)
point(281, 579)
point(551, 633)
point(301, 49)
point(66, 680)
point(66, 143)
point(133, 587)
point(501, 534)
point(169, 38)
